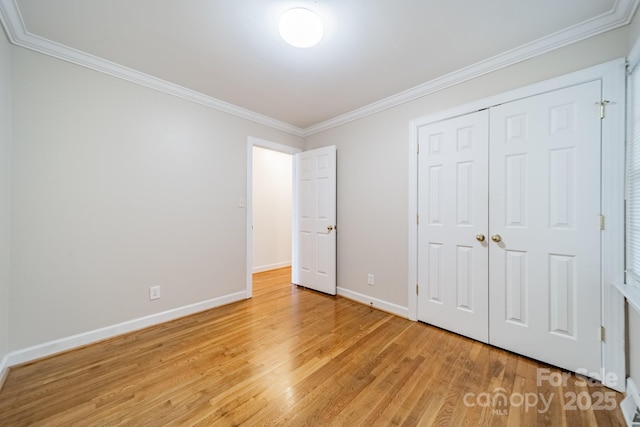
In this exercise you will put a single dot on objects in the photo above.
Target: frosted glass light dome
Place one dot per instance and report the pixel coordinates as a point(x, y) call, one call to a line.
point(301, 27)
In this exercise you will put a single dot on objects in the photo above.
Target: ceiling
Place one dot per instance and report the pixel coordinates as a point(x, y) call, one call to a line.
point(230, 50)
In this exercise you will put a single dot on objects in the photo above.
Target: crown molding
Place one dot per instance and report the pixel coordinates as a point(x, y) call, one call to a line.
point(18, 35)
point(620, 15)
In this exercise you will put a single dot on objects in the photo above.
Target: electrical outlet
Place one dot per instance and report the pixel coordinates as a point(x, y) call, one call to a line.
point(154, 292)
point(370, 279)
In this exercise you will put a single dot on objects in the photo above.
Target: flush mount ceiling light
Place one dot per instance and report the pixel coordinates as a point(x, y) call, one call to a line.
point(300, 27)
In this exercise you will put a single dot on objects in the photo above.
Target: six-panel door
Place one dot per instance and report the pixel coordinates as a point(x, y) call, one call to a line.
point(315, 219)
point(545, 204)
point(453, 213)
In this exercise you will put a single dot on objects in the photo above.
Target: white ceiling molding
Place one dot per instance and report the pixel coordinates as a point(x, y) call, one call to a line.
point(620, 15)
point(18, 35)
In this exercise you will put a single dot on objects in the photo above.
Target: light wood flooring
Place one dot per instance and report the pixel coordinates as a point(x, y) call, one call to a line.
point(291, 356)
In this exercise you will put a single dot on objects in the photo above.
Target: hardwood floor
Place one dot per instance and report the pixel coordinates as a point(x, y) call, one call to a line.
point(291, 356)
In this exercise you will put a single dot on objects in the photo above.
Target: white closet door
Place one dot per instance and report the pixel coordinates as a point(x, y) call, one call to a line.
point(452, 199)
point(545, 206)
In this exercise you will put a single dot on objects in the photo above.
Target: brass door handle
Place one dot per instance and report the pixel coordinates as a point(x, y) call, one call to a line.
point(496, 238)
point(480, 237)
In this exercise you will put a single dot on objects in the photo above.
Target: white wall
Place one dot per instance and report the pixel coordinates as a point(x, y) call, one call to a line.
point(373, 163)
point(272, 207)
point(5, 200)
point(117, 188)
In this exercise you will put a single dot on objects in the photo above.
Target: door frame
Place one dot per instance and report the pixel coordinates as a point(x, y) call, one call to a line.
point(612, 75)
point(263, 143)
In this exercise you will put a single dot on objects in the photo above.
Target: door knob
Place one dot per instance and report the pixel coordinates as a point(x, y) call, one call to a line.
point(496, 238)
point(329, 228)
point(480, 237)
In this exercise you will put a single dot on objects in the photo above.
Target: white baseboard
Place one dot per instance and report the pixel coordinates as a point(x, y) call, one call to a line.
point(68, 343)
point(4, 370)
point(631, 402)
point(377, 303)
point(262, 268)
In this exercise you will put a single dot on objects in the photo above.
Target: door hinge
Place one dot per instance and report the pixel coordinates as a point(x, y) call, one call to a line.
point(417, 218)
point(602, 333)
point(602, 105)
point(601, 222)
point(418, 148)
point(417, 292)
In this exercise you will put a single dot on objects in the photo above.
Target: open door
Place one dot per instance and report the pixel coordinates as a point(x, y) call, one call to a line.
point(314, 257)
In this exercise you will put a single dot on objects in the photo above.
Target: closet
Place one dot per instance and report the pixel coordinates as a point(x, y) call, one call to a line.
point(509, 226)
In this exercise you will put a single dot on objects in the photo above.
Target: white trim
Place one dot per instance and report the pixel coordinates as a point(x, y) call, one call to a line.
point(412, 300)
point(620, 15)
point(18, 35)
point(295, 243)
point(630, 287)
point(4, 370)
point(633, 58)
point(613, 137)
point(613, 237)
point(90, 337)
point(574, 78)
point(258, 142)
point(389, 307)
point(633, 390)
point(577, 77)
point(269, 145)
point(270, 267)
point(631, 293)
point(631, 402)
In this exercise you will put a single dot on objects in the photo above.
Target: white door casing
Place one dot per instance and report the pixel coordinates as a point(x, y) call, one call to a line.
point(453, 223)
point(314, 264)
point(542, 250)
point(544, 192)
point(248, 201)
point(612, 77)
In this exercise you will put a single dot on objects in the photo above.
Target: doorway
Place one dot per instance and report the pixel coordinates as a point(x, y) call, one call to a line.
point(534, 284)
point(267, 241)
point(272, 209)
point(611, 77)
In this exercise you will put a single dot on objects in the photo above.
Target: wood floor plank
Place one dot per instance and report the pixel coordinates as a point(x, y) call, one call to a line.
point(291, 356)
